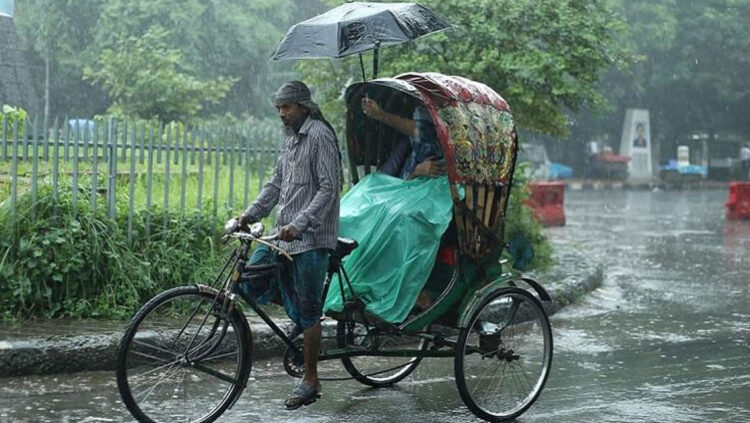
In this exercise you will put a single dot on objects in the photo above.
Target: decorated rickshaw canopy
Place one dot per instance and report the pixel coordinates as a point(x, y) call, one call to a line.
point(473, 122)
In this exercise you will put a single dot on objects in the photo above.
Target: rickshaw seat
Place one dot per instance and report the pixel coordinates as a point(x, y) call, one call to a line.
point(345, 246)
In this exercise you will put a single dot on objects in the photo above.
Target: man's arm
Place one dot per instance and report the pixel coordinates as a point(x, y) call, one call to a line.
point(404, 125)
point(267, 199)
point(328, 170)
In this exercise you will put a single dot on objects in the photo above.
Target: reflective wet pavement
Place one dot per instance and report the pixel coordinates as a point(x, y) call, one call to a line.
point(665, 339)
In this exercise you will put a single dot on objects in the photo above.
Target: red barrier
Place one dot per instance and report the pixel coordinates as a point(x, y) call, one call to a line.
point(738, 204)
point(546, 201)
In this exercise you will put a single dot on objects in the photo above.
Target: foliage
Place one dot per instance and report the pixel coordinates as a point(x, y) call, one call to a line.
point(80, 263)
point(147, 79)
point(215, 39)
point(543, 56)
point(520, 224)
point(13, 116)
point(61, 32)
point(692, 53)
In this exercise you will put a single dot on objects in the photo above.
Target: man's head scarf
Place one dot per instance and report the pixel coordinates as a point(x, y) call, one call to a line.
point(297, 92)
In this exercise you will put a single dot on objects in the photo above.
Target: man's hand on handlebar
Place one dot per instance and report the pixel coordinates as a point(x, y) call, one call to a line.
point(244, 221)
point(289, 233)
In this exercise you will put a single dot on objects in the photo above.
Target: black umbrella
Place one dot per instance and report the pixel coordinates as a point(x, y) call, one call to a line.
point(354, 28)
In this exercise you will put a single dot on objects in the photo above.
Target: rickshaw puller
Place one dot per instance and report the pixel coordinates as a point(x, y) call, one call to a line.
point(305, 187)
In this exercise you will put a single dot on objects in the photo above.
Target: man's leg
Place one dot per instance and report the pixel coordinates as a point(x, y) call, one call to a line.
point(303, 303)
point(312, 350)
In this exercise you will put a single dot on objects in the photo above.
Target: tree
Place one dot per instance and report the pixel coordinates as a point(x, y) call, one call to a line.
point(692, 56)
point(148, 79)
point(60, 31)
point(217, 38)
point(543, 56)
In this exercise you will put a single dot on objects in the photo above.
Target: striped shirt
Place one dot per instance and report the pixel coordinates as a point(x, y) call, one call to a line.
point(305, 187)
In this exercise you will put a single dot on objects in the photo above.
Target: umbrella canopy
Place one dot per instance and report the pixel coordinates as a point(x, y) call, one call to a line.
point(355, 28)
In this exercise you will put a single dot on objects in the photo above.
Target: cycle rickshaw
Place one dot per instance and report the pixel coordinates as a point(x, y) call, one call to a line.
point(490, 320)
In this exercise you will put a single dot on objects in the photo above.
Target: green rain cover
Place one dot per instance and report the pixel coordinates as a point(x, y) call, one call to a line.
point(398, 225)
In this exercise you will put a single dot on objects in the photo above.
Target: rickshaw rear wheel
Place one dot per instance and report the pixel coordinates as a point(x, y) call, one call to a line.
point(504, 355)
point(373, 370)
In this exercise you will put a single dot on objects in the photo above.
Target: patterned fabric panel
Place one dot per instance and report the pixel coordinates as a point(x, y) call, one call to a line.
point(483, 141)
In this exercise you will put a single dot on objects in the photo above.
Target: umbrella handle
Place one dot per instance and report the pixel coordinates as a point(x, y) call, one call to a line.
point(362, 65)
point(375, 58)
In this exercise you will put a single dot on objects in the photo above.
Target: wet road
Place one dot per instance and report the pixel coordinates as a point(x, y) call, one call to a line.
point(665, 339)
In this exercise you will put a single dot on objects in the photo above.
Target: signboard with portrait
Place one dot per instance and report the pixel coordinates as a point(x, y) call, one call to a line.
point(636, 143)
point(6, 8)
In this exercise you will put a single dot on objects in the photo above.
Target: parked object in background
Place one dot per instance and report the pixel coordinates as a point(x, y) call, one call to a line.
point(560, 171)
point(607, 165)
point(547, 202)
point(540, 167)
point(536, 156)
point(680, 171)
point(738, 204)
point(744, 172)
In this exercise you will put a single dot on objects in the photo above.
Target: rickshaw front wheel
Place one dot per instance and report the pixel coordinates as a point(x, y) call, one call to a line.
point(183, 357)
point(504, 355)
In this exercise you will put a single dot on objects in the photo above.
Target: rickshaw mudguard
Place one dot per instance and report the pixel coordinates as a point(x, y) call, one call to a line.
point(473, 301)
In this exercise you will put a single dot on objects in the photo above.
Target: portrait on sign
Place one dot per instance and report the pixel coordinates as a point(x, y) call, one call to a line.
point(640, 140)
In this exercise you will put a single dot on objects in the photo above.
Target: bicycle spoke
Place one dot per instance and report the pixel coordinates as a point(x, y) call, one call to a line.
point(159, 382)
point(214, 373)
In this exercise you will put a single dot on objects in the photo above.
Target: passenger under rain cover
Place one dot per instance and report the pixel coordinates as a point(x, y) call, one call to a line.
point(398, 225)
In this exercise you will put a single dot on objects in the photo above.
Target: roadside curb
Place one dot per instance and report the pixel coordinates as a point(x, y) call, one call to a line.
point(568, 281)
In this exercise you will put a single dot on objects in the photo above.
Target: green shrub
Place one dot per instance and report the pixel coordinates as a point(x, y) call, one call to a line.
point(529, 246)
point(81, 263)
point(12, 115)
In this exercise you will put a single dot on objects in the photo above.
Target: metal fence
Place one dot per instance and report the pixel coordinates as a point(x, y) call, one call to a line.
point(173, 166)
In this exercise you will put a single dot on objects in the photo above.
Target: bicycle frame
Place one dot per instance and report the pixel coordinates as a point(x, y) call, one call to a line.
point(237, 261)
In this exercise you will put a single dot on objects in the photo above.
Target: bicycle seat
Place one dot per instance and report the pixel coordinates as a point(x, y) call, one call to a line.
point(345, 246)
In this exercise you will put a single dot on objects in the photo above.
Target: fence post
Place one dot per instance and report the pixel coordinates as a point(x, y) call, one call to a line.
point(74, 179)
point(55, 162)
point(5, 137)
point(124, 150)
point(232, 142)
point(216, 187)
point(25, 139)
point(45, 137)
point(66, 129)
point(202, 135)
point(247, 167)
point(143, 141)
point(14, 176)
point(192, 146)
point(85, 139)
point(149, 183)
point(166, 175)
point(184, 170)
point(35, 167)
point(112, 168)
point(131, 191)
point(159, 142)
point(95, 169)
